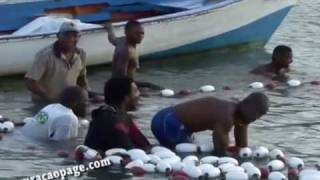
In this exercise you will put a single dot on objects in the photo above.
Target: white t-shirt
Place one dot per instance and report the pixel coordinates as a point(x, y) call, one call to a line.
point(54, 122)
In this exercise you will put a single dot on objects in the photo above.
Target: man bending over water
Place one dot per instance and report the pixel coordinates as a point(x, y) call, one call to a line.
point(279, 66)
point(174, 125)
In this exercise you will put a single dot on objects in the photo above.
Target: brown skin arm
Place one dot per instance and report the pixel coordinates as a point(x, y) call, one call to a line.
point(241, 135)
point(220, 139)
point(111, 35)
point(36, 88)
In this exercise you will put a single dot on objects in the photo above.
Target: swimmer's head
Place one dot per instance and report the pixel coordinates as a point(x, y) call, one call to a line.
point(282, 56)
point(252, 108)
point(75, 98)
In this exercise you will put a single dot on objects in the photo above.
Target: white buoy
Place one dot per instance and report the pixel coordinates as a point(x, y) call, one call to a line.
point(260, 152)
point(85, 153)
point(210, 160)
point(84, 123)
point(224, 167)
point(115, 160)
point(209, 171)
point(177, 166)
point(275, 165)
point(247, 165)
point(233, 168)
point(253, 172)
point(206, 148)
point(167, 93)
point(236, 175)
point(276, 176)
point(192, 171)
point(294, 83)
point(191, 160)
point(172, 160)
point(135, 163)
point(165, 154)
point(163, 167)
point(7, 127)
point(186, 148)
point(138, 154)
point(159, 148)
point(207, 88)
point(245, 153)
point(149, 168)
point(27, 119)
point(276, 154)
point(154, 159)
point(256, 85)
point(113, 151)
point(296, 163)
point(226, 159)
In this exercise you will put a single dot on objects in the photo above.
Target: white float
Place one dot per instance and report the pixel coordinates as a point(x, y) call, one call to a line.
point(177, 166)
point(207, 88)
point(247, 165)
point(172, 160)
point(167, 93)
point(256, 85)
point(165, 154)
point(158, 149)
point(294, 83)
point(186, 148)
point(115, 160)
point(261, 152)
point(154, 159)
point(210, 160)
point(163, 167)
point(226, 159)
point(253, 172)
point(225, 167)
point(233, 168)
point(235, 175)
point(27, 119)
point(275, 165)
point(276, 154)
point(209, 171)
point(84, 123)
point(191, 160)
point(87, 153)
point(7, 127)
point(245, 153)
point(295, 163)
point(277, 176)
point(135, 163)
point(149, 168)
point(192, 171)
point(113, 151)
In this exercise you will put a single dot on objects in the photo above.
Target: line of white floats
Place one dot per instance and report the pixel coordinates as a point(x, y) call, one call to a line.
point(211, 88)
point(167, 162)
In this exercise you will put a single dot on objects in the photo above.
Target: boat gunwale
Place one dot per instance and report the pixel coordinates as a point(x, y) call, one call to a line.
point(167, 17)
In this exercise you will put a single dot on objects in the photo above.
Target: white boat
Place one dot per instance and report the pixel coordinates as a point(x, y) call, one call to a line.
point(215, 25)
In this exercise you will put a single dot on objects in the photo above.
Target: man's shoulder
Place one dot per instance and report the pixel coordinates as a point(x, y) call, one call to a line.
point(260, 69)
point(48, 50)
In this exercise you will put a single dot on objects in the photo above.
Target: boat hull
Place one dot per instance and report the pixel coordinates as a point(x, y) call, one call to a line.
point(184, 32)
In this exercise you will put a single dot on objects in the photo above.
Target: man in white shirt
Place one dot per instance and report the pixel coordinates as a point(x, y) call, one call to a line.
point(59, 121)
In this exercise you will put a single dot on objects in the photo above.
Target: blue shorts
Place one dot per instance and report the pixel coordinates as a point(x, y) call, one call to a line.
point(169, 130)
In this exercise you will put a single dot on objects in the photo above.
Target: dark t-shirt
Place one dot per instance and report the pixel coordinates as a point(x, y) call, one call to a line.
point(111, 129)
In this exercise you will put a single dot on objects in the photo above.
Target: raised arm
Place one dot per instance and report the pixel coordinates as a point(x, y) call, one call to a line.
point(241, 135)
point(111, 35)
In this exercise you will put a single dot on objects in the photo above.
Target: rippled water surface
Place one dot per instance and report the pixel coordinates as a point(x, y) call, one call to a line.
point(292, 124)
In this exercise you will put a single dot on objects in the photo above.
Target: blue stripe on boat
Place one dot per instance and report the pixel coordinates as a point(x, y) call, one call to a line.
point(258, 31)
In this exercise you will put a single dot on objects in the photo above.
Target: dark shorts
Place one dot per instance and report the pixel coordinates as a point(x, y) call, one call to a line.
point(168, 129)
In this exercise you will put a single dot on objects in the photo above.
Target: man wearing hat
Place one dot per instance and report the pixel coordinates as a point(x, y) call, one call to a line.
point(57, 66)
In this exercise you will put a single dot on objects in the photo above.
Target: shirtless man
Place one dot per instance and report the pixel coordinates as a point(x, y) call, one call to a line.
point(125, 60)
point(175, 125)
point(279, 66)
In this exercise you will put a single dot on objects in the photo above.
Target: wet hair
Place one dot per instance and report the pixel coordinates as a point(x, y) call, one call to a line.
point(130, 24)
point(252, 107)
point(72, 95)
point(279, 51)
point(116, 89)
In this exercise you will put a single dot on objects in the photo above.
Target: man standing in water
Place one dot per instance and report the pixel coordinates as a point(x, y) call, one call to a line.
point(125, 60)
point(279, 66)
point(58, 66)
point(174, 125)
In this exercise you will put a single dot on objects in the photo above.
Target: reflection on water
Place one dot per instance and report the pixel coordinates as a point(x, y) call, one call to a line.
point(291, 125)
